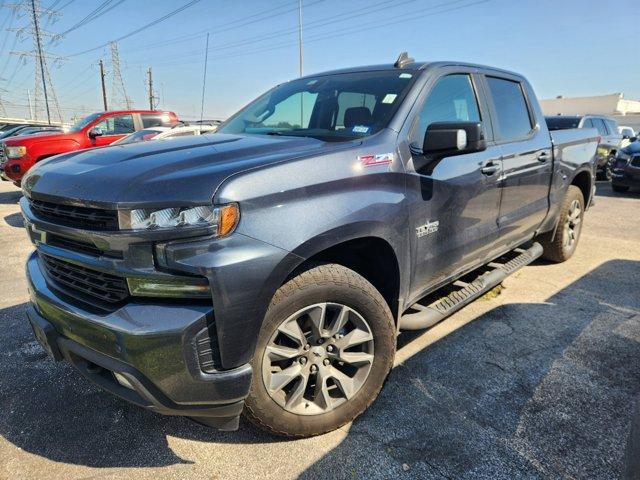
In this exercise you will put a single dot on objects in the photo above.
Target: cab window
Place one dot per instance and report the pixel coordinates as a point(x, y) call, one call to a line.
point(513, 118)
point(117, 125)
point(451, 100)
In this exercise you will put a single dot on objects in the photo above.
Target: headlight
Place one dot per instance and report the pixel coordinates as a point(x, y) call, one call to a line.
point(223, 219)
point(15, 152)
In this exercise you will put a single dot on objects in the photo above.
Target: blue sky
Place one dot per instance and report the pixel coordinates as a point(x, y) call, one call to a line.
point(567, 47)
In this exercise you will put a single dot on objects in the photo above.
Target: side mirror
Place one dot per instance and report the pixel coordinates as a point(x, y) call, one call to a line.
point(626, 137)
point(95, 132)
point(633, 139)
point(454, 138)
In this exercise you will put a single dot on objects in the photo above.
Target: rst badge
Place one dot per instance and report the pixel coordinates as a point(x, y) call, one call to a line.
point(427, 228)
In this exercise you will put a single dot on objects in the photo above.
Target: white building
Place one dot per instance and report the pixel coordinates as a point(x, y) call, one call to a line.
point(626, 112)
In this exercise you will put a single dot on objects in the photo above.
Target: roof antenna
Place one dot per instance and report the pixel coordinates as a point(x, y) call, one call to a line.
point(403, 60)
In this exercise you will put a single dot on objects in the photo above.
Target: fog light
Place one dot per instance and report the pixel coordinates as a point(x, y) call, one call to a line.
point(122, 380)
point(182, 287)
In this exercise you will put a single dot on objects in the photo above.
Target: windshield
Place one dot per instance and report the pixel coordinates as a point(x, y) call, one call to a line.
point(331, 107)
point(84, 122)
point(140, 136)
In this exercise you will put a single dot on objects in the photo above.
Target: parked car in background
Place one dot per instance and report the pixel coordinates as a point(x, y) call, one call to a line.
point(18, 155)
point(628, 135)
point(38, 129)
point(27, 129)
point(626, 169)
point(610, 137)
point(161, 133)
point(270, 266)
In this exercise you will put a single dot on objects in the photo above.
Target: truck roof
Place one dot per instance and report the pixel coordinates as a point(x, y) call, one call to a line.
point(412, 66)
point(138, 111)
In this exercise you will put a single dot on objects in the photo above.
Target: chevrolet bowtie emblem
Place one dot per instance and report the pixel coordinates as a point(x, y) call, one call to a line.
point(38, 236)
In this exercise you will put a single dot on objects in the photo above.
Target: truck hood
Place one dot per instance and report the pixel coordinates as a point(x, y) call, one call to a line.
point(177, 172)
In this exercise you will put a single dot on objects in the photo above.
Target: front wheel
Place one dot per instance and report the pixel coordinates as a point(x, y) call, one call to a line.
point(325, 349)
point(563, 244)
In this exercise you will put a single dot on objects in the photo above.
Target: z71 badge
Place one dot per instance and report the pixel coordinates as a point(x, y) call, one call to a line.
point(427, 228)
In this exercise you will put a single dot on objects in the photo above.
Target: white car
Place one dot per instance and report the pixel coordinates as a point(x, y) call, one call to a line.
point(163, 133)
point(627, 134)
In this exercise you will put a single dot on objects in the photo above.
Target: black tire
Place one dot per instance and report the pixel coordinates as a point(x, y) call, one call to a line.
point(619, 188)
point(320, 284)
point(558, 249)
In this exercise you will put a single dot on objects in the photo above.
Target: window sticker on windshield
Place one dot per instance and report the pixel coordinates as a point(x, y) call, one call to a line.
point(389, 98)
point(405, 75)
point(311, 82)
point(360, 129)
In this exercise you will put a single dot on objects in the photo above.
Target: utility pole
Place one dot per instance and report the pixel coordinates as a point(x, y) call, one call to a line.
point(43, 84)
point(300, 48)
point(204, 77)
point(118, 93)
point(29, 103)
point(104, 90)
point(301, 60)
point(150, 89)
point(36, 26)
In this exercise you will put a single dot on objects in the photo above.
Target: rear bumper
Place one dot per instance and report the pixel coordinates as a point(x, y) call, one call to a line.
point(152, 346)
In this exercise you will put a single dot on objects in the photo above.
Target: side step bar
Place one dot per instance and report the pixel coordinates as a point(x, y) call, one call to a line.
point(425, 316)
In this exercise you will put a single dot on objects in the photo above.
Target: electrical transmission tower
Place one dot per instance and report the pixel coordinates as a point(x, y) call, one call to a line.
point(118, 93)
point(44, 97)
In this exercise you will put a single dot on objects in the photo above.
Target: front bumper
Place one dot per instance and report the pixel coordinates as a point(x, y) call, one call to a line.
point(151, 345)
point(629, 177)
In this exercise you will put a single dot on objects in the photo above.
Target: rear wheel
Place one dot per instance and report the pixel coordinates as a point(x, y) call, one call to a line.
point(325, 349)
point(562, 246)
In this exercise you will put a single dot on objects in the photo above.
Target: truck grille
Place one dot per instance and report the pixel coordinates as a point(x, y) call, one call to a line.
point(85, 281)
point(72, 216)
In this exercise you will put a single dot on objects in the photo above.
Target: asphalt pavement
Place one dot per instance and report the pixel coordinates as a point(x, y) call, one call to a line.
point(541, 381)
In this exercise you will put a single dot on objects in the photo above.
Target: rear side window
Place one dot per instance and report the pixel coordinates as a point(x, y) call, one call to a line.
point(149, 121)
point(588, 124)
point(514, 121)
point(451, 100)
point(117, 125)
point(612, 125)
point(599, 124)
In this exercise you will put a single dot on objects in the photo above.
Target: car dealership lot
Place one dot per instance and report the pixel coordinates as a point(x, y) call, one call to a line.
point(541, 380)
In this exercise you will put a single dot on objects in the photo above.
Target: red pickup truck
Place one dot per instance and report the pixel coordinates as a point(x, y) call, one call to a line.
point(19, 154)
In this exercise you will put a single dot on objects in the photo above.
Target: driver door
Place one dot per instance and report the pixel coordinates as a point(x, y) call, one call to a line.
point(114, 128)
point(455, 213)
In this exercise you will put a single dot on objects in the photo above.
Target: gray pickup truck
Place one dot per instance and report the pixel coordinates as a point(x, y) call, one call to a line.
point(268, 268)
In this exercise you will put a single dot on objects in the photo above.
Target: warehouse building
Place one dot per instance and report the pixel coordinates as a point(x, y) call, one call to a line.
point(626, 112)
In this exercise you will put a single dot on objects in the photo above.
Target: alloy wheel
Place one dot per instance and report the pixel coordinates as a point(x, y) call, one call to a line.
point(318, 358)
point(572, 224)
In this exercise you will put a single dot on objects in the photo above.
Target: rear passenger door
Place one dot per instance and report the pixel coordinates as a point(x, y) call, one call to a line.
point(526, 158)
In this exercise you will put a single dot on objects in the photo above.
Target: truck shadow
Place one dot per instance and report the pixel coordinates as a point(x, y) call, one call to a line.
point(524, 390)
point(10, 198)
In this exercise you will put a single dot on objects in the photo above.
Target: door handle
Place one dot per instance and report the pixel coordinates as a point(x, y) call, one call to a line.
point(543, 157)
point(489, 169)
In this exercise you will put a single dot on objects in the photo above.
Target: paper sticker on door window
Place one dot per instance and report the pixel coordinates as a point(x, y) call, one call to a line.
point(360, 129)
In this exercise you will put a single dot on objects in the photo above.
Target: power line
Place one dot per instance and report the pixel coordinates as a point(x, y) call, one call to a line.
point(90, 17)
point(343, 31)
point(138, 30)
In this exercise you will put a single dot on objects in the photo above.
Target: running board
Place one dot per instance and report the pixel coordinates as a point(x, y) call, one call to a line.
point(425, 316)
